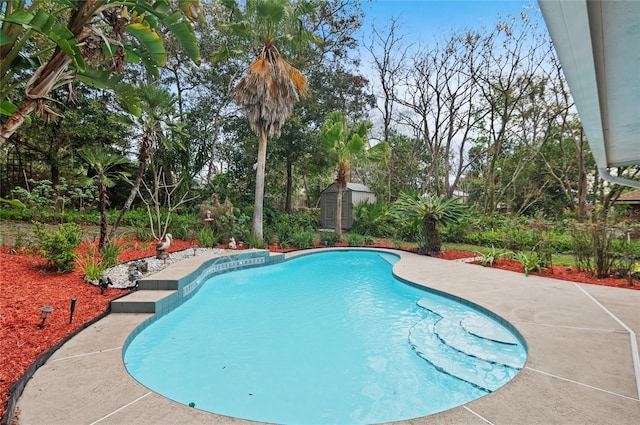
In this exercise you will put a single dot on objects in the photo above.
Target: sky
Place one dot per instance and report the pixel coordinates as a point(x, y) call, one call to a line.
point(422, 20)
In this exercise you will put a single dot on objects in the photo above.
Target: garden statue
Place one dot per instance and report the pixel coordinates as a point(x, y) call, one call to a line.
point(162, 246)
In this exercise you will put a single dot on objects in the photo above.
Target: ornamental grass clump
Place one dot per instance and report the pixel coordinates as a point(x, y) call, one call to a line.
point(110, 254)
point(92, 267)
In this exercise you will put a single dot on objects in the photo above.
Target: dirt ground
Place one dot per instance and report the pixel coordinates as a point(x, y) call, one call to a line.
point(22, 232)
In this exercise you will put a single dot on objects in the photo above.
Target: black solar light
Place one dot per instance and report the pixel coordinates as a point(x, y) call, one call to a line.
point(44, 313)
point(71, 309)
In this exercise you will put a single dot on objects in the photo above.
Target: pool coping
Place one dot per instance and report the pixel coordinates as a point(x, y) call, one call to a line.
point(580, 367)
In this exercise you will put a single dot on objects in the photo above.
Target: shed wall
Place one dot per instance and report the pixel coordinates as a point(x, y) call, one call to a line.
point(328, 199)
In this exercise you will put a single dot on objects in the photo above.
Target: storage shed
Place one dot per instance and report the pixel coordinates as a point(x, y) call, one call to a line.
point(352, 195)
point(632, 202)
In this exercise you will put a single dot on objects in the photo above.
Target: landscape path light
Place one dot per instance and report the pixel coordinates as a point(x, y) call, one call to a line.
point(71, 309)
point(44, 313)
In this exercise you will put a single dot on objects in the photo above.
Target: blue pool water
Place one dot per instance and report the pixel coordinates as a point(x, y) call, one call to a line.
point(323, 338)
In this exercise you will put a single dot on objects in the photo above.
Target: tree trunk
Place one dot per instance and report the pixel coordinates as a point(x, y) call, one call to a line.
point(307, 194)
point(49, 76)
point(431, 236)
point(341, 183)
point(388, 175)
point(54, 168)
point(104, 202)
point(16, 120)
point(338, 220)
point(143, 155)
point(582, 180)
point(287, 206)
point(256, 228)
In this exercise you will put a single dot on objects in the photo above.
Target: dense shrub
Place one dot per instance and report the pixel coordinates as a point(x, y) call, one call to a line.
point(329, 238)
point(354, 239)
point(515, 234)
point(255, 243)
point(303, 240)
point(286, 227)
point(57, 246)
point(133, 217)
point(182, 226)
point(373, 220)
point(41, 195)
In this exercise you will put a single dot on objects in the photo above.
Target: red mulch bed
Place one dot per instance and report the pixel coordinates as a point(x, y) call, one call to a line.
point(554, 272)
point(26, 287)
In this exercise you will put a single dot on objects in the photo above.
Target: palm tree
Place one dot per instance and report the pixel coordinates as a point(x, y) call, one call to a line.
point(103, 173)
point(343, 141)
point(271, 86)
point(428, 212)
point(157, 106)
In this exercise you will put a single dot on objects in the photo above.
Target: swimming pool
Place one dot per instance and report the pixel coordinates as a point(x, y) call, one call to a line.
point(323, 338)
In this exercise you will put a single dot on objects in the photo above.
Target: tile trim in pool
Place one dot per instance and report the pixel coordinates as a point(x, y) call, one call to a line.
point(183, 287)
point(216, 268)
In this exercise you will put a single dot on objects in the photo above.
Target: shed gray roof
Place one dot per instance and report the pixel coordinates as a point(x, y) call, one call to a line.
point(632, 197)
point(356, 187)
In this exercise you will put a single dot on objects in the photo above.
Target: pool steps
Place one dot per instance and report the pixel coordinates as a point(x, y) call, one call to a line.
point(463, 344)
point(163, 291)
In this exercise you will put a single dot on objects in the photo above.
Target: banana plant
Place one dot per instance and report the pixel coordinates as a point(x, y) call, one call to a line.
point(48, 44)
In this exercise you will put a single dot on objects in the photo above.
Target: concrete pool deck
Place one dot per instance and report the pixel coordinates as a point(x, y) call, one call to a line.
point(582, 342)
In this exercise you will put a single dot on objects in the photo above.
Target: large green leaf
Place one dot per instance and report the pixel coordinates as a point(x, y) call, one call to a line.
point(99, 78)
point(13, 202)
point(130, 55)
point(271, 10)
point(42, 21)
point(19, 17)
point(7, 108)
point(66, 41)
point(128, 99)
point(187, 38)
point(151, 41)
point(4, 38)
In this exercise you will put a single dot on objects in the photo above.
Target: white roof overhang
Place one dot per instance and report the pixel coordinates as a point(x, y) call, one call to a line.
point(598, 43)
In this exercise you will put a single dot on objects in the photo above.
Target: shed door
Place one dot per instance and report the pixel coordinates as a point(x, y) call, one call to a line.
point(328, 217)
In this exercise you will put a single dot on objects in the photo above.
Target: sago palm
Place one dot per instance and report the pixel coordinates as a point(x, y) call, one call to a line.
point(271, 86)
point(428, 212)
